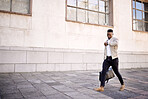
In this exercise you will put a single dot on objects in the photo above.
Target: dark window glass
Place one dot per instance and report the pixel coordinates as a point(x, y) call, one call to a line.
point(140, 15)
point(5, 5)
point(145, 16)
point(17, 6)
point(21, 6)
point(145, 6)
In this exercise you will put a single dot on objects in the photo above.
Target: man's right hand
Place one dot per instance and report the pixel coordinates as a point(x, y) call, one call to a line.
point(105, 43)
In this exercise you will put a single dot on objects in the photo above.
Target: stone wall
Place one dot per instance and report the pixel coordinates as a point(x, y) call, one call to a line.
point(35, 59)
point(47, 42)
point(48, 28)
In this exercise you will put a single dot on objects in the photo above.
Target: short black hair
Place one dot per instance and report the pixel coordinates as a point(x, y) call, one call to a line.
point(109, 30)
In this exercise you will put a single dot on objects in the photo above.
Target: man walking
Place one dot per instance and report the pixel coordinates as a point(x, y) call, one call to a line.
point(110, 59)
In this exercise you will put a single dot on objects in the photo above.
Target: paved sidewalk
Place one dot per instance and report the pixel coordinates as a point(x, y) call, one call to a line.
point(72, 85)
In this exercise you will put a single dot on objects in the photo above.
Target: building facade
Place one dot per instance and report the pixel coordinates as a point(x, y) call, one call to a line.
point(62, 35)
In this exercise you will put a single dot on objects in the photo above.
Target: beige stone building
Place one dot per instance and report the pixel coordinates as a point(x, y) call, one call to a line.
point(62, 35)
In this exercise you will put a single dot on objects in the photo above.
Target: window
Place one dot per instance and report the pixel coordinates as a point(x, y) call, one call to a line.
point(140, 15)
point(90, 11)
point(16, 6)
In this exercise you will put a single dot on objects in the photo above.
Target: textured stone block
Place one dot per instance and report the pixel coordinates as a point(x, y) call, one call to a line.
point(4, 19)
point(25, 67)
point(45, 67)
point(123, 58)
point(6, 67)
point(73, 58)
point(140, 58)
point(22, 22)
point(94, 66)
point(43, 49)
point(36, 57)
point(55, 57)
point(127, 65)
point(93, 58)
point(20, 48)
point(78, 66)
point(4, 48)
point(11, 36)
point(146, 58)
point(131, 58)
point(12, 57)
point(62, 67)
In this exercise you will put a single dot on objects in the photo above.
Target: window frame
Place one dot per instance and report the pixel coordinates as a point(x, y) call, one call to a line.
point(112, 10)
point(18, 13)
point(137, 19)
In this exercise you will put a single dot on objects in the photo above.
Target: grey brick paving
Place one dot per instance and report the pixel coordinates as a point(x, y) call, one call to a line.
point(72, 85)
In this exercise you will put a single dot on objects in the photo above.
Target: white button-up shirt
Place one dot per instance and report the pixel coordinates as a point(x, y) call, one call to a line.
point(108, 49)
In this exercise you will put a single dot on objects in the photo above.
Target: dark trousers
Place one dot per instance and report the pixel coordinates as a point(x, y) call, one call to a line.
point(106, 64)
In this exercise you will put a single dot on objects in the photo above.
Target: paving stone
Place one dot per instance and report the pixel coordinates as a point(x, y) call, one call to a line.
point(32, 94)
point(26, 90)
point(8, 87)
point(113, 91)
point(49, 92)
point(12, 96)
point(39, 97)
point(100, 96)
point(35, 81)
point(63, 88)
point(41, 85)
point(8, 91)
point(24, 86)
point(78, 95)
point(45, 89)
point(72, 85)
point(86, 91)
point(139, 97)
point(54, 84)
point(19, 81)
point(58, 96)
